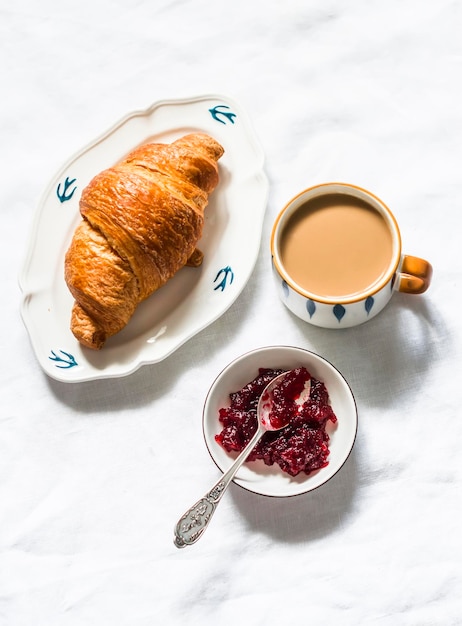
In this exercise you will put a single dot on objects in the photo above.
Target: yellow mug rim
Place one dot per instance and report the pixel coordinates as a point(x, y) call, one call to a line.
point(348, 299)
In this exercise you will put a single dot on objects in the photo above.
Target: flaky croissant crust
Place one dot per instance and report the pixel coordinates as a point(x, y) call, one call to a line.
point(141, 223)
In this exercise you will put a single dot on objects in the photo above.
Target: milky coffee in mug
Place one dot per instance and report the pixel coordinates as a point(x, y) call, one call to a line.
point(336, 252)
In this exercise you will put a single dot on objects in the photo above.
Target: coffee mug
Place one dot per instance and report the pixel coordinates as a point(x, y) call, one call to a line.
point(336, 256)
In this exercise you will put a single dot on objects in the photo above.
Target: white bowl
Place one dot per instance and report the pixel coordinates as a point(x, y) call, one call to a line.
point(271, 480)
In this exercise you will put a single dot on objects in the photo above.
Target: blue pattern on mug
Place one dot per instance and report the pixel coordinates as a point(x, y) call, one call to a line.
point(368, 304)
point(285, 288)
point(311, 308)
point(339, 311)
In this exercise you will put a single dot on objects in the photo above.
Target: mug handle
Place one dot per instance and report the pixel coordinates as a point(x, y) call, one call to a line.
point(415, 275)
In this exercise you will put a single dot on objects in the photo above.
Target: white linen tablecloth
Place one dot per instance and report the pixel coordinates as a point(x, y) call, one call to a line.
point(93, 476)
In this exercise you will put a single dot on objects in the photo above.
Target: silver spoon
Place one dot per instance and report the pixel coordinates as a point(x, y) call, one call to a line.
point(191, 526)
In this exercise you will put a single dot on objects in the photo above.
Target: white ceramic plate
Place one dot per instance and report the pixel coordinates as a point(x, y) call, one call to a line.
point(190, 301)
point(256, 476)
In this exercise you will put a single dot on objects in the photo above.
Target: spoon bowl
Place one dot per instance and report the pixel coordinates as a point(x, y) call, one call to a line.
point(270, 413)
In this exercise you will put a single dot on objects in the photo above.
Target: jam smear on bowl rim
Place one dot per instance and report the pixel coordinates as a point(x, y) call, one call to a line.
point(303, 444)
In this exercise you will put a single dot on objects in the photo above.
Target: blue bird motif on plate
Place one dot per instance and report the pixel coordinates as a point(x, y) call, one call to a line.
point(218, 114)
point(66, 192)
point(227, 275)
point(63, 362)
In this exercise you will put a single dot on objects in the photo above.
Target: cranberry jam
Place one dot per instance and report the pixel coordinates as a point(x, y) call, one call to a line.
point(303, 444)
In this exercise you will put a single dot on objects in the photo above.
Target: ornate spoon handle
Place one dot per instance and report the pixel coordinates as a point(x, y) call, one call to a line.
point(192, 524)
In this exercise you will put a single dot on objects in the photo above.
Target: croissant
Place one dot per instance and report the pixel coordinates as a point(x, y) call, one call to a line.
point(141, 223)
